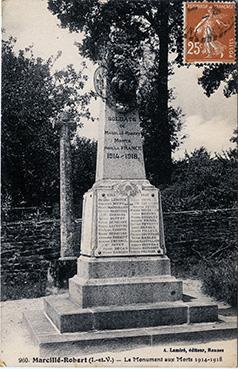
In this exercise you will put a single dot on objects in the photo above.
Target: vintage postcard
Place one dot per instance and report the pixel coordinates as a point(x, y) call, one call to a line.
point(119, 183)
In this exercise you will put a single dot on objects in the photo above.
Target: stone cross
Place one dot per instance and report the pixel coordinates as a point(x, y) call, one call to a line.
point(66, 265)
point(66, 205)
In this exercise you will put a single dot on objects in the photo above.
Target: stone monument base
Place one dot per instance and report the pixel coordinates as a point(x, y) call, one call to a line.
point(123, 281)
point(143, 304)
point(119, 293)
point(51, 340)
point(69, 317)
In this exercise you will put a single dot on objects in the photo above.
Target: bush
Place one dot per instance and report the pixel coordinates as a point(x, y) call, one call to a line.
point(201, 182)
point(220, 280)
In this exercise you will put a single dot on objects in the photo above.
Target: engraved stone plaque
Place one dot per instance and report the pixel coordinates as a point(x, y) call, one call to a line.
point(112, 223)
point(144, 224)
point(128, 221)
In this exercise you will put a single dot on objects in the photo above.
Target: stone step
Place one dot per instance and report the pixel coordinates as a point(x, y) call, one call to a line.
point(124, 291)
point(49, 339)
point(69, 317)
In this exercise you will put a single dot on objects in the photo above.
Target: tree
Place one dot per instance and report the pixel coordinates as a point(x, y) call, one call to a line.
point(200, 182)
point(155, 27)
point(146, 25)
point(33, 97)
point(215, 74)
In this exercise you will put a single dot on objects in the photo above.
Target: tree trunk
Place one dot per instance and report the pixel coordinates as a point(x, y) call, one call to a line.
point(161, 154)
point(165, 160)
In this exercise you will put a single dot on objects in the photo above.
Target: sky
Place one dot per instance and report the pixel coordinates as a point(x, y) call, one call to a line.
point(208, 122)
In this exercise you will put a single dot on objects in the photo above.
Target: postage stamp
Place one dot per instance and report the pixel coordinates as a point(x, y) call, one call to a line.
point(209, 32)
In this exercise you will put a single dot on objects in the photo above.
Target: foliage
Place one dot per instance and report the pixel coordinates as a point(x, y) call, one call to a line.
point(133, 37)
point(140, 19)
point(214, 75)
point(202, 182)
point(220, 279)
point(141, 34)
point(84, 168)
point(33, 97)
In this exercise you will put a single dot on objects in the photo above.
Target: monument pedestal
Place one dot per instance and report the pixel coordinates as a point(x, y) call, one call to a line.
point(122, 293)
point(139, 280)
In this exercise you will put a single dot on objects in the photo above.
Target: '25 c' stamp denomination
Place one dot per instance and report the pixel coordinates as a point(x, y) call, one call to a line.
point(209, 32)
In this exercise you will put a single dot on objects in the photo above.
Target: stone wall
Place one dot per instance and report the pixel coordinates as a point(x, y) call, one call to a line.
point(192, 236)
point(28, 251)
point(30, 248)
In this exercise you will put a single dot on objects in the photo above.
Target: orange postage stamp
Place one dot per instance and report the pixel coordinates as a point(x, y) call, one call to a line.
point(209, 32)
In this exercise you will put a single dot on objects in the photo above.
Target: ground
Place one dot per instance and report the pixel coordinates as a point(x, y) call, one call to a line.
point(17, 348)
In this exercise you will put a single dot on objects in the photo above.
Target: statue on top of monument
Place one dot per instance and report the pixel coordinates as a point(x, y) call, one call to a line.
point(115, 80)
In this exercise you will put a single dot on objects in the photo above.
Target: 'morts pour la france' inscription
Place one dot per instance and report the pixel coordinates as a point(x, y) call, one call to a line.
point(121, 152)
point(127, 222)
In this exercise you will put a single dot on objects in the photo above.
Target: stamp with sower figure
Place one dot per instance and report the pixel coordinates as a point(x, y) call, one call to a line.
point(209, 32)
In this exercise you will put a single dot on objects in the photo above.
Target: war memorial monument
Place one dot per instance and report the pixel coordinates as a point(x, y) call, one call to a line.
point(123, 290)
